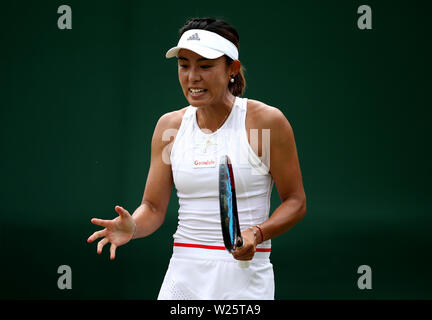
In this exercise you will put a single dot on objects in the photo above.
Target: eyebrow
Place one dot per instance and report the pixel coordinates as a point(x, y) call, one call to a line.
point(184, 58)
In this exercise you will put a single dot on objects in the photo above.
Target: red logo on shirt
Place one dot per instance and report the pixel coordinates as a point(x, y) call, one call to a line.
point(204, 163)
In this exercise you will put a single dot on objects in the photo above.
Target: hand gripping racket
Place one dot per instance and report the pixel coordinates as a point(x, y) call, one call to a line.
point(228, 208)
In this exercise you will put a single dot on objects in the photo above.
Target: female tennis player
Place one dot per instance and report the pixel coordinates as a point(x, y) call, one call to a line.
point(186, 147)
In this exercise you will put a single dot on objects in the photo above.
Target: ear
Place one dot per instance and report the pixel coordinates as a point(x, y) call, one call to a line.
point(235, 67)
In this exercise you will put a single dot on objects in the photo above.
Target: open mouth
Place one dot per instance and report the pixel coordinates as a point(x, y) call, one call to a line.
point(195, 92)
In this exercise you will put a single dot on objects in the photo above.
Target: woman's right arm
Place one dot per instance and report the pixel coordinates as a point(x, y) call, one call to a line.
point(150, 215)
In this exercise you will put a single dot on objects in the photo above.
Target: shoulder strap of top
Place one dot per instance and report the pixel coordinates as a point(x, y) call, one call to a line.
point(259, 164)
point(187, 119)
point(185, 126)
point(239, 115)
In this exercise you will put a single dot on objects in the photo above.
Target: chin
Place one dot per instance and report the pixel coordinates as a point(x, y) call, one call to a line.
point(197, 102)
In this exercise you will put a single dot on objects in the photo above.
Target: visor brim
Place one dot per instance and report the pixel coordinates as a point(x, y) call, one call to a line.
point(202, 51)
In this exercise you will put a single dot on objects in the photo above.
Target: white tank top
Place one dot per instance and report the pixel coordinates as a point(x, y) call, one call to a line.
point(195, 166)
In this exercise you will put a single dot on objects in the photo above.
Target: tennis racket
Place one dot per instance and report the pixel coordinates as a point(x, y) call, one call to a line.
point(228, 208)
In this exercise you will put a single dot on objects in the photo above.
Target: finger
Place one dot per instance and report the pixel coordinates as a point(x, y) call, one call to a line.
point(245, 257)
point(121, 211)
point(244, 252)
point(237, 254)
point(97, 235)
point(101, 244)
point(112, 251)
point(239, 251)
point(100, 222)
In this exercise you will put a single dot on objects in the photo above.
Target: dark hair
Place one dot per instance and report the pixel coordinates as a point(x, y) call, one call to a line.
point(227, 31)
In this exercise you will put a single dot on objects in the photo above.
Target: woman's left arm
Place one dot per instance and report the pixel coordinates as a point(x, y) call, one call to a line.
point(285, 170)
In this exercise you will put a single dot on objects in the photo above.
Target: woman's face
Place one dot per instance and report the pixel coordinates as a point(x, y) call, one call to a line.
point(203, 81)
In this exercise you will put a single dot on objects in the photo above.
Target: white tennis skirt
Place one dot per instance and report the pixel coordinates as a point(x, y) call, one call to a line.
point(202, 272)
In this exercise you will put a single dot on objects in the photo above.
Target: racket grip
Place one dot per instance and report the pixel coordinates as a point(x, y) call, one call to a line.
point(243, 264)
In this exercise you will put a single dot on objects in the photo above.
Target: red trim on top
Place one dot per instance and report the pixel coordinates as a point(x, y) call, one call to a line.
point(201, 246)
point(204, 246)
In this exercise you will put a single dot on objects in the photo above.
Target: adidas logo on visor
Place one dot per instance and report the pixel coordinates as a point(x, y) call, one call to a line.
point(194, 37)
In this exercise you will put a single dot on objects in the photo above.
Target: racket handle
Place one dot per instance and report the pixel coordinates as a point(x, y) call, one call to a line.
point(243, 263)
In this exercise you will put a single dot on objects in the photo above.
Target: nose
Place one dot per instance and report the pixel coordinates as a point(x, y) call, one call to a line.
point(194, 74)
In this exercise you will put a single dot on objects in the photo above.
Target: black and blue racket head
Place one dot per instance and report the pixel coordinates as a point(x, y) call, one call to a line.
point(228, 206)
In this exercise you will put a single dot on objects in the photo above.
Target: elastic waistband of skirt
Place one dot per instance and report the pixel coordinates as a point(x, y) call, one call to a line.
point(204, 251)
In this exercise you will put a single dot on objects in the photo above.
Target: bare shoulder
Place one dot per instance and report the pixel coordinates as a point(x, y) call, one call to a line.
point(171, 120)
point(263, 116)
point(167, 127)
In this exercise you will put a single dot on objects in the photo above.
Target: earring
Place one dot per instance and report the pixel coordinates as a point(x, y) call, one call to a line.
point(232, 79)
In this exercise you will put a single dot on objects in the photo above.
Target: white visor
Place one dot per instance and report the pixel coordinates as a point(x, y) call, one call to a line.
point(208, 44)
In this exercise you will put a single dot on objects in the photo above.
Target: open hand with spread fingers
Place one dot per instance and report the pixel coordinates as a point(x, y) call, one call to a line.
point(118, 231)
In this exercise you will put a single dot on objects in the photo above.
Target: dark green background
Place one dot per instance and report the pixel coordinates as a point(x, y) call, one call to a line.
point(78, 109)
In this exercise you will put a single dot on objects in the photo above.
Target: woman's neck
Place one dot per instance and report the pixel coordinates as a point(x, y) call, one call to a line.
point(213, 116)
